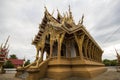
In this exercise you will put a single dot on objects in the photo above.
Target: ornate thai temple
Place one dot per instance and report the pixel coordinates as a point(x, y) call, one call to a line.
point(118, 61)
point(3, 54)
point(70, 50)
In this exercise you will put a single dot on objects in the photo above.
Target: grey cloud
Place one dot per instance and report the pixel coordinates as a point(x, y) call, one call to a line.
point(21, 18)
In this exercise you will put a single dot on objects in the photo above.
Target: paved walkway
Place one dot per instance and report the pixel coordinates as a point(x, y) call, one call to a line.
point(111, 74)
point(9, 76)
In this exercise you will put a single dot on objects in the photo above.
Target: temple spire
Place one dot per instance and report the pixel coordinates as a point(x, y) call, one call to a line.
point(45, 8)
point(81, 20)
point(59, 17)
point(47, 14)
point(6, 42)
point(46, 11)
point(70, 13)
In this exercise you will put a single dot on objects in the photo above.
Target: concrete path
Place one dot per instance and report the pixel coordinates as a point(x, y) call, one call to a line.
point(111, 74)
point(9, 76)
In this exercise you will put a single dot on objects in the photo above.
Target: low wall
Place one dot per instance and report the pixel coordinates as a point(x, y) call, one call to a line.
point(10, 70)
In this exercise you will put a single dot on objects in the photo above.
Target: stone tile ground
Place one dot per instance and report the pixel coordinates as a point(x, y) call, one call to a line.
point(111, 74)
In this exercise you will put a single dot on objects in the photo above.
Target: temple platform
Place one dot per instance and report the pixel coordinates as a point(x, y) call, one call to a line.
point(65, 68)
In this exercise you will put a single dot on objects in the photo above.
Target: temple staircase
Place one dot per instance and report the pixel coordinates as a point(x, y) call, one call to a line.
point(37, 72)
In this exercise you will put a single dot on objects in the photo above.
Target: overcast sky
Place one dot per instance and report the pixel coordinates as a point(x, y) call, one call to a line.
point(20, 19)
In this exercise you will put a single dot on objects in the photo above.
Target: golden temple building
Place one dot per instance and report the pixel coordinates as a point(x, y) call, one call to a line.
point(70, 50)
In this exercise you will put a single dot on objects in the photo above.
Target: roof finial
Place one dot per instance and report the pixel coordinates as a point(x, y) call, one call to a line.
point(59, 15)
point(45, 8)
point(81, 21)
point(53, 12)
point(6, 42)
point(70, 13)
point(46, 11)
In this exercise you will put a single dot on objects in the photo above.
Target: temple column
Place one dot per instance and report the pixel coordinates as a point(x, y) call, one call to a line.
point(79, 41)
point(60, 40)
point(95, 54)
point(99, 56)
point(68, 49)
point(51, 47)
point(42, 52)
point(92, 52)
point(86, 44)
point(89, 50)
point(40, 59)
point(59, 49)
point(37, 55)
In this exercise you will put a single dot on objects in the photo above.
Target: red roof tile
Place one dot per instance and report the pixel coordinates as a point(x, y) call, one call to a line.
point(16, 61)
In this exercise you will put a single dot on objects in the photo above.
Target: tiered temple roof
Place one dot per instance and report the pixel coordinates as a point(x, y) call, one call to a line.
point(62, 24)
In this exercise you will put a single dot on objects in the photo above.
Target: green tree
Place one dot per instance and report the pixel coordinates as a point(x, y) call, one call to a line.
point(113, 62)
point(8, 64)
point(13, 56)
point(110, 62)
point(27, 62)
point(107, 62)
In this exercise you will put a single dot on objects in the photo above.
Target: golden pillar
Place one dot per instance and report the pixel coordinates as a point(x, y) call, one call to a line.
point(80, 42)
point(51, 47)
point(86, 44)
point(95, 54)
point(88, 49)
point(59, 48)
point(37, 55)
point(92, 52)
point(68, 48)
point(40, 59)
